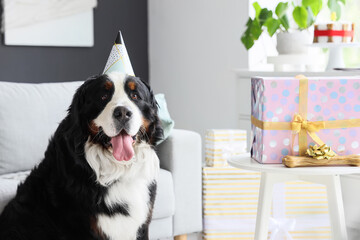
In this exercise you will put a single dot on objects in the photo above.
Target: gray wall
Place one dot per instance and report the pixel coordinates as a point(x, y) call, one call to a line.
point(56, 64)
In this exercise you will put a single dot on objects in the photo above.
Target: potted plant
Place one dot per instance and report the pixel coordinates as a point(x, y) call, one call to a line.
point(288, 40)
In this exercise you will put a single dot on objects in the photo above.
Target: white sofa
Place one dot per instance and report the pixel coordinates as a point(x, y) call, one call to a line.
point(30, 113)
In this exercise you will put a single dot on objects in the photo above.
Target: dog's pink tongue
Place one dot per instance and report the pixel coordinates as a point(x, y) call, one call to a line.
point(122, 147)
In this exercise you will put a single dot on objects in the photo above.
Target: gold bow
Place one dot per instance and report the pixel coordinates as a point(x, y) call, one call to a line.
point(299, 123)
point(304, 127)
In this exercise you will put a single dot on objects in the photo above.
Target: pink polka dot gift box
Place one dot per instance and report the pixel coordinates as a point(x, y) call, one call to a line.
point(290, 114)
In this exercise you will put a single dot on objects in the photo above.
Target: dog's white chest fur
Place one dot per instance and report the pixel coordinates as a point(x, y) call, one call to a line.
point(129, 184)
point(136, 196)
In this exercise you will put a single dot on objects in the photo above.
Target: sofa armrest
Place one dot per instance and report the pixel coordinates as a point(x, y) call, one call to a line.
point(180, 154)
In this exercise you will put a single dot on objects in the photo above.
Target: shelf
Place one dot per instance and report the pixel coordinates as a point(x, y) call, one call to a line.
point(335, 45)
point(245, 73)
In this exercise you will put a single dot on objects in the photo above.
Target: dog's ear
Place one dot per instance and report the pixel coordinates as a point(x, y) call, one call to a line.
point(154, 131)
point(79, 100)
point(152, 97)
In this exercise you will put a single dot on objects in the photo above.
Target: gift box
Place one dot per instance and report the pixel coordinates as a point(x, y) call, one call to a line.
point(229, 202)
point(230, 197)
point(289, 114)
point(300, 211)
point(221, 144)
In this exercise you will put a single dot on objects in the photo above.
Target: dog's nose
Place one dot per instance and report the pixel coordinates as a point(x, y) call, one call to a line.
point(122, 113)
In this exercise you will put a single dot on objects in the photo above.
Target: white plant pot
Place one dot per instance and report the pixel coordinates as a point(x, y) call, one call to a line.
point(294, 42)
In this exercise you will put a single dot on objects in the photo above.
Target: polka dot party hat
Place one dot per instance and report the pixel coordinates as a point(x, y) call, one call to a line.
point(119, 60)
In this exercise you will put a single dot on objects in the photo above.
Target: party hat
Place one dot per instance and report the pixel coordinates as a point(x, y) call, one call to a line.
point(119, 60)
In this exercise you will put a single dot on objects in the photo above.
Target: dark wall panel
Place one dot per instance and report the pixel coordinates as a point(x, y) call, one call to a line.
point(56, 64)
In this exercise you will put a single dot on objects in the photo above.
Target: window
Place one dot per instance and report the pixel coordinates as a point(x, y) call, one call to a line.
point(266, 46)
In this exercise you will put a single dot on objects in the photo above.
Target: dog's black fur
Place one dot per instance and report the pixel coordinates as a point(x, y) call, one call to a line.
point(61, 198)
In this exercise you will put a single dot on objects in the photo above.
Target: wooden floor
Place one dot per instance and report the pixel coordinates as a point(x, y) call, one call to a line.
point(180, 237)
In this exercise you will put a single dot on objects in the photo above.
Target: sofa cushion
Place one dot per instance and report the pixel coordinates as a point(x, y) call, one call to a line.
point(161, 228)
point(8, 186)
point(164, 202)
point(167, 123)
point(165, 198)
point(29, 114)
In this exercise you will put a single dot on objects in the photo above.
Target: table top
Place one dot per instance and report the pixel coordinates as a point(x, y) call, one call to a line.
point(296, 59)
point(245, 162)
point(335, 45)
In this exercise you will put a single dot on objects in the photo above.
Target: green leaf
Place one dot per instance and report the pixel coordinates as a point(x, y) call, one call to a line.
point(281, 9)
point(334, 6)
point(311, 17)
point(257, 9)
point(272, 26)
point(342, 1)
point(331, 4)
point(264, 15)
point(247, 40)
point(285, 22)
point(249, 22)
point(315, 5)
point(255, 29)
point(252, 33)
point(300, 16)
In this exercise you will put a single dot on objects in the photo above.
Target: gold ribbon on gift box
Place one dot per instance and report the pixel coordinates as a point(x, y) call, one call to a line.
point(300, 126)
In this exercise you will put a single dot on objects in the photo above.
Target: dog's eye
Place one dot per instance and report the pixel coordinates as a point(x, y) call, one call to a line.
point(104, 97)
point(134, 96)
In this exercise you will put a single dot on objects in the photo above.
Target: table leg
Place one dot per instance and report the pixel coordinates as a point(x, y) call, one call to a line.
point(336, 59)
point(336, 207)
point(264, 206)
point(335, 203)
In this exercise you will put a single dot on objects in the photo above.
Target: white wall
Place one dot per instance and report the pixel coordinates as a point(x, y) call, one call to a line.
point(194, 45)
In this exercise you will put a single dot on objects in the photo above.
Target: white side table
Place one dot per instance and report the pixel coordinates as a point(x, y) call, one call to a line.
point(275, 173)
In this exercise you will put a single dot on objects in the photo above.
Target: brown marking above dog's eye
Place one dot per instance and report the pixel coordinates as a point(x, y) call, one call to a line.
point(132, 85)
point(108, 85)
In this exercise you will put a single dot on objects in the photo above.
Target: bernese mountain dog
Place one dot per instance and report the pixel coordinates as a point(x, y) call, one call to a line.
point(98, 177)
